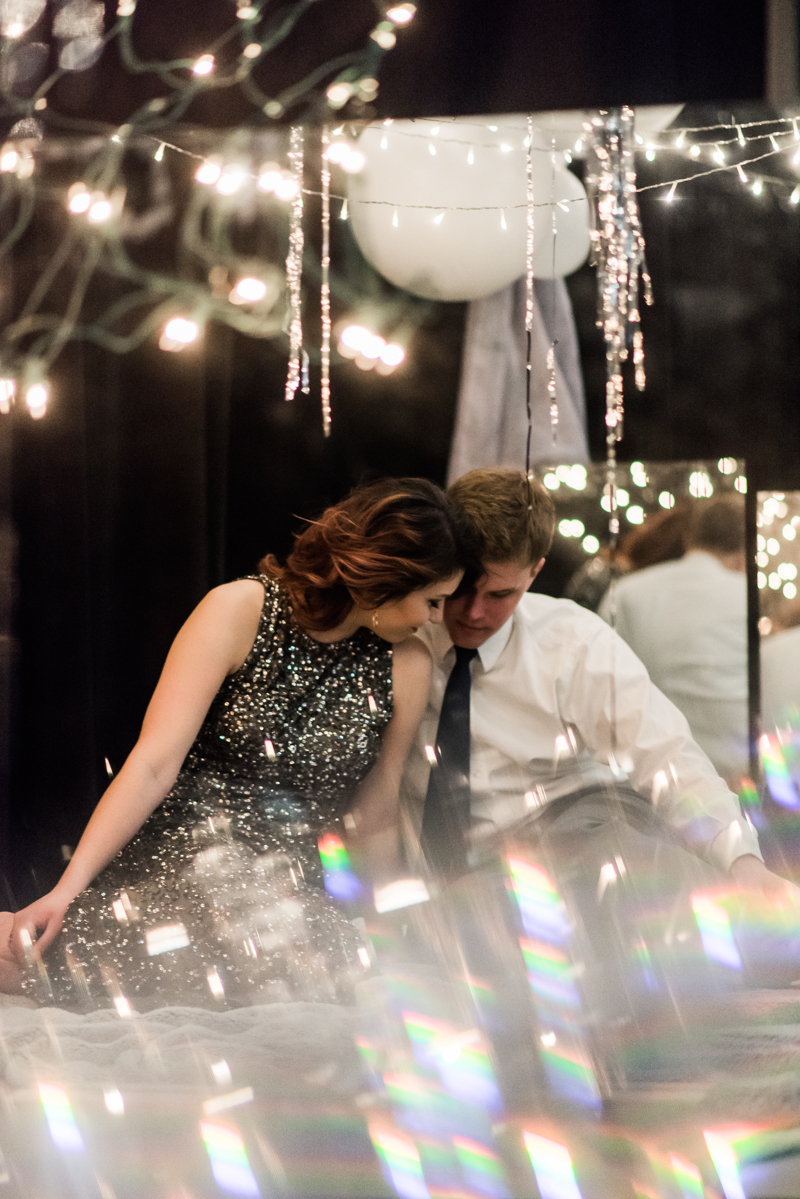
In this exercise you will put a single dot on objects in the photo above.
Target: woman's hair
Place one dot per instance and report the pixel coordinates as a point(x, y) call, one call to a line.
point(383, 541)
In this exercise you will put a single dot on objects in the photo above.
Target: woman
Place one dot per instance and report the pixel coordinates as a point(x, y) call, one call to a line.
point(288, 700)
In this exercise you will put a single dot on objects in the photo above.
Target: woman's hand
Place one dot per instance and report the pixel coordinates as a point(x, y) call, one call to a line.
point(40, 921)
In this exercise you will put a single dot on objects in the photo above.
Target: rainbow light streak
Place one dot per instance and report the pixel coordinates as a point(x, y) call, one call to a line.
point(781, 787)
point(726, 1164)
point(229, 1163)
point(483, 1171)
point(540, 907)
point(460, 1059)
point(60, 1119)
point(715, 930)
point(400, 1162)
point(552, 1166)
point(340, 881)
point(687, 1177)
point(549, 973)
point(570, 1073)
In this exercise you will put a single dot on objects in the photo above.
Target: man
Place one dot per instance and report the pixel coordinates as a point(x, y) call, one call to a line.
point(536, 702)
point(687, 622)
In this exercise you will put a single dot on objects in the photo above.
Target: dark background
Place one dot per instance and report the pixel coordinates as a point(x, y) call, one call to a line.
point(155, 476)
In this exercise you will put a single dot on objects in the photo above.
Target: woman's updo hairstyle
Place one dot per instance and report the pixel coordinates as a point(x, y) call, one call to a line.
point(383, 541)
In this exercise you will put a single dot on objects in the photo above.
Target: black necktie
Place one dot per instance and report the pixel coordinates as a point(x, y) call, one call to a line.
point(447, 815)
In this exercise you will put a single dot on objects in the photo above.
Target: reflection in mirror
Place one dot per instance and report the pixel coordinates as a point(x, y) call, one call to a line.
point(778, 563)
point(680, 591)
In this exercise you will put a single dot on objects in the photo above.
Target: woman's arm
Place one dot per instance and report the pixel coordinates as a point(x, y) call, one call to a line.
point(376, 807)
point(212, 644)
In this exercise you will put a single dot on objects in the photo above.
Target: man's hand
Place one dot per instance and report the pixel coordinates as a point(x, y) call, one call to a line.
point(750, 872)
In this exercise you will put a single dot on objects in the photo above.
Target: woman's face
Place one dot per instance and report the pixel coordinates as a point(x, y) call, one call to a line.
point(398, 620)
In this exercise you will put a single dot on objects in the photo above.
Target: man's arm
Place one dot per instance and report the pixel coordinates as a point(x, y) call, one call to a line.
point(612, 702)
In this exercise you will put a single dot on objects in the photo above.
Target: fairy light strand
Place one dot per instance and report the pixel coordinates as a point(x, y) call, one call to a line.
point(325, 286)
point(294, 263)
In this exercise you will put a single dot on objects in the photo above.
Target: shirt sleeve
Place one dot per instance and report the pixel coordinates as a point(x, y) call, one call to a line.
point(608, 689)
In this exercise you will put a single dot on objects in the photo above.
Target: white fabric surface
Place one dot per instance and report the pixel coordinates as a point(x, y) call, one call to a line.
point(178, 1045)
point(687, 622)
point(491, 423)
point(780, 680)
point(547, 674)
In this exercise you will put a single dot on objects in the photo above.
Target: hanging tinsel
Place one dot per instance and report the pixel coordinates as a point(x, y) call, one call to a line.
point(294, 262)
point(618, 255)
point(325, 286)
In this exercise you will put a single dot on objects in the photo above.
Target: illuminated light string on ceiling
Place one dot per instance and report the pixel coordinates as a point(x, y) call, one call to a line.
point(99, 201)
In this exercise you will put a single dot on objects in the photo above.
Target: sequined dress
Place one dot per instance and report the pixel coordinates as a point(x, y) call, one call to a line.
point(218, 898)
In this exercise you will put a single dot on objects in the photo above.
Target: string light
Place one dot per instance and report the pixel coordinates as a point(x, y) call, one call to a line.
point(529, 297)
point(36, 397)
point(204, 65)
point(252, 51)
point(9, 159)
point(670, 196)
point(208, 173)
point(79, 198)
point(248, 291)
point(159, 154)
point(178, 333)
point(401, 14)
point(100, 209)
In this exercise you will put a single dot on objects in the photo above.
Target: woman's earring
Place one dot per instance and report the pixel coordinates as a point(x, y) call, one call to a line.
point(374, 620)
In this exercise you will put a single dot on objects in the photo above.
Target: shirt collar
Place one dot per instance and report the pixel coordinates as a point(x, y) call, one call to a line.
point(491, 650)
point(441, 643)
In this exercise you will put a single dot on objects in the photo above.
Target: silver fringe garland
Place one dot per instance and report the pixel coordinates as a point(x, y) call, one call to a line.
point(294, 262)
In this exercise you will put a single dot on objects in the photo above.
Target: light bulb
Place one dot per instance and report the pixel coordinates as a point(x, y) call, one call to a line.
point(384, 37)
point(178, 333)
point(208, 173)
point(252, 51)
point(338, 94)
point(8, 159)
point(392, 354)
point(7, 389)
point(248, 291)
point(36, 399)
point(401, 14)
point(99, 209)
point(231, 180)
point(353, 162)
point(286, 188)
point(270, 177)
point(204, 65)
point(78, 198)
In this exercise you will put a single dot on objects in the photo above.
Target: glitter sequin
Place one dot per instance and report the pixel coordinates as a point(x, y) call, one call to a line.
point(231, 853)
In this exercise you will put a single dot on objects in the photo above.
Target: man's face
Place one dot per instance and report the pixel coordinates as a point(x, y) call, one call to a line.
point(473, 617)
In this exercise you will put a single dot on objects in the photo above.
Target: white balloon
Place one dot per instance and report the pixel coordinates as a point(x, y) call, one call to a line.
point(440, 207)
point(565, 129)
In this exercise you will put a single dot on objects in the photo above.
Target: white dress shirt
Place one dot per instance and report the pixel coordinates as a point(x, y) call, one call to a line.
point(780, 680)
point(543, 710)
point(687, 622)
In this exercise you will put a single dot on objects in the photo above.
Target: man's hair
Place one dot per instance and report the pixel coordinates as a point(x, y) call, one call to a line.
point(509, 517)
point(718, 525)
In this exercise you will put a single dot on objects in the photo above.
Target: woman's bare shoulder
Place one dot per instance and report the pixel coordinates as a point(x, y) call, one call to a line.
point(228, 616)
point(411, 665)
